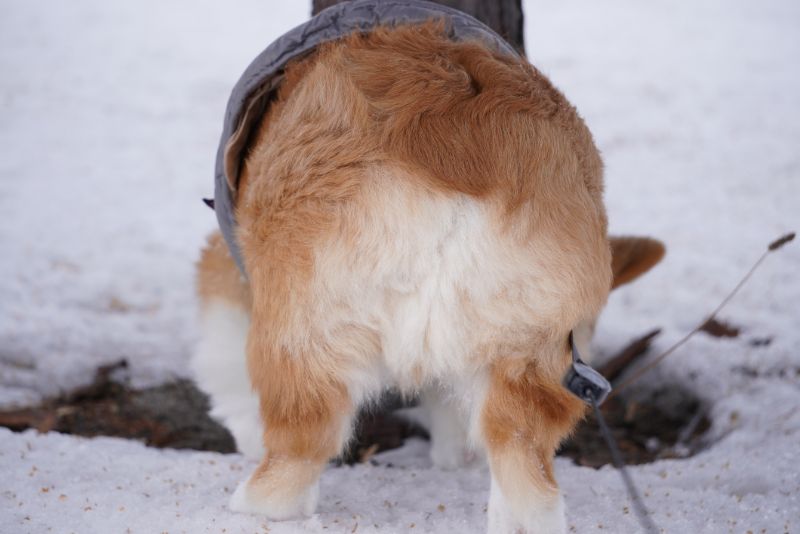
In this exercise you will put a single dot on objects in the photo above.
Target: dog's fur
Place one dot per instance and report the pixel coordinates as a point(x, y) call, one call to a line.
point(414, 213)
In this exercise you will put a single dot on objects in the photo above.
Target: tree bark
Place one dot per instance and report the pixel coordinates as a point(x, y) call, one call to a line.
point(503, 16)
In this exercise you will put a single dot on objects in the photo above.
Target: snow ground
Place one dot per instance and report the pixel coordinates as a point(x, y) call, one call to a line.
point(110, 117)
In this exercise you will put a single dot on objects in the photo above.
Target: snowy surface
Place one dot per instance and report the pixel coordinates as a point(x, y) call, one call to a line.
point(109, 118)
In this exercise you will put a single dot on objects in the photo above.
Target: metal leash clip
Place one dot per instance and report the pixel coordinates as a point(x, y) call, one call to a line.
point(583, 381)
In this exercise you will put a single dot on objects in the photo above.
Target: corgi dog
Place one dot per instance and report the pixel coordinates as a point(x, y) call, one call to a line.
point(414, 213)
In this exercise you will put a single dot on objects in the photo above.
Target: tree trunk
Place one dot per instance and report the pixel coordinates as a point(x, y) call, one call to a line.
point(503, 16)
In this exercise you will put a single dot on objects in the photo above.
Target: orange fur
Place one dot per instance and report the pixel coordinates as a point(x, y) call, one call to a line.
point(526, 414)
point(218, 276)
point(633, 256)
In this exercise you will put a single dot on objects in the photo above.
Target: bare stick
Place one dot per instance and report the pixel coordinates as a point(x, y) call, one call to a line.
point(775, 245)
point(616, 365)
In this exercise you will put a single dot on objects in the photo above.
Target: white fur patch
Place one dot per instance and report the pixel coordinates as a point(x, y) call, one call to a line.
point(528, 512)
point(432, 274)
point(281, 506)
point(220, 368)
point(447, 424)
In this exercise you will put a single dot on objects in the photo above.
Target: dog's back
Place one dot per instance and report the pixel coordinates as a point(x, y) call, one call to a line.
point(420, 213)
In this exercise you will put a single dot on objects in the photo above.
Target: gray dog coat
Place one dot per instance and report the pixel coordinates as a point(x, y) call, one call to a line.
point(253, 92)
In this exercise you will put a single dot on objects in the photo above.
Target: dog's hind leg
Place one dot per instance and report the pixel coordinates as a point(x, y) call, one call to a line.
point(309, 389)
point(525, 415)
point(307, 415)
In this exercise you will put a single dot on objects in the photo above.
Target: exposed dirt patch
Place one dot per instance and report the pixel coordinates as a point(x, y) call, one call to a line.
point(379, 430)
point(669, 425)
point(175, 415)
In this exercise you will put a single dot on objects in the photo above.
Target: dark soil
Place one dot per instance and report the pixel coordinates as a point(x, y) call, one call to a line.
point(669, 425)
point(175, 415)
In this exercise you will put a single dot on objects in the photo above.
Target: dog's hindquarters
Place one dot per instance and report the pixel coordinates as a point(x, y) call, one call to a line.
point(411, 287)
point(381, 251)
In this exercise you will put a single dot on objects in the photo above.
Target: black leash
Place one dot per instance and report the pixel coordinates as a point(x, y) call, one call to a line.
point(648, 525)
point(591, 387)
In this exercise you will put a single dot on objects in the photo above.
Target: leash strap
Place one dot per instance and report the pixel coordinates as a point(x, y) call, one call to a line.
point(592, 388)
point(648, 525)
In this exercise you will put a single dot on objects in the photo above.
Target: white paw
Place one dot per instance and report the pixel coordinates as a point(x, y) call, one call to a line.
point(532, 515)
point(248, 499)
point(450, 456)
point(449, 443)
